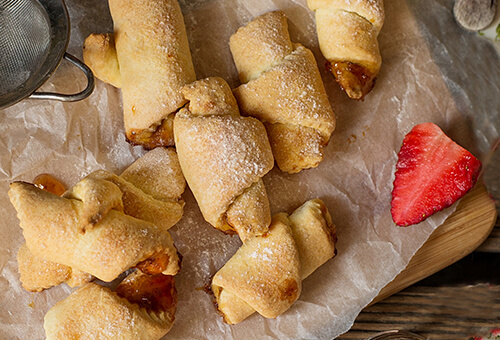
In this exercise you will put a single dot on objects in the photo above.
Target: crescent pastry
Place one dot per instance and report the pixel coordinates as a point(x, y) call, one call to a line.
point(141, 307)
point(90, 232)
point(266, 273)
point(151, 190)
point(283, 88)
point(147, 56)
point(224, 157)
point(347, 34)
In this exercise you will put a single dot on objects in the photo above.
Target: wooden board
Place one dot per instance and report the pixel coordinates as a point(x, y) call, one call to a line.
point(459, 235)
point(435, 313)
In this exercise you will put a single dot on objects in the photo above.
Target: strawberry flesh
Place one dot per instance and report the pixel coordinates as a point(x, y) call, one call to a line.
point(432, 173)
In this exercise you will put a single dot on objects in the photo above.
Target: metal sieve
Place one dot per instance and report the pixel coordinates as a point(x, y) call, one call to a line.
point(34, 36)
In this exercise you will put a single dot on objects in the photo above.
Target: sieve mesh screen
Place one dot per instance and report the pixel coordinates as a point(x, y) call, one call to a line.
point(25, 34)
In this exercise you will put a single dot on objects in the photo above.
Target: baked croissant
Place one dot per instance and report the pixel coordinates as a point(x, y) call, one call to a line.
point(141, 307)
point(151, 190)
point(265, 274)
point(147, 56)
point(283, 88)
point(91, 233)
point(347, 34)
point(223, 157)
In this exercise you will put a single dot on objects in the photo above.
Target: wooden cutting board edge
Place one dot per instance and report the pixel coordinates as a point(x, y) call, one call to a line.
point(461, 233)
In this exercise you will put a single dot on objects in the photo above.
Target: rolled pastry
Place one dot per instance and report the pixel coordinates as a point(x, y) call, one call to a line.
point(152, 63)
point(90, 232)
point(224, 157)
point(265, 274)
point(151, 190)
point(347, 34)
point(141, 307)
point(283, 88)
point(38, 274)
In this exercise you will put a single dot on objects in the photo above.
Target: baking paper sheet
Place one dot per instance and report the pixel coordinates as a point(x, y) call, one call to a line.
point(424, 77)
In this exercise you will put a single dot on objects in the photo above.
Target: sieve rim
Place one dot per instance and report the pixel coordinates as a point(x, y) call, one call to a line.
point(60, 28)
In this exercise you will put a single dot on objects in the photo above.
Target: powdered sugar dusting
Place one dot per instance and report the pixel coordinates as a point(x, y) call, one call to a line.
point(229, 153)
point(285, 87)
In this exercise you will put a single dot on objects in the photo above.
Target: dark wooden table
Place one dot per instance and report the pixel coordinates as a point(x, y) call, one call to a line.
point(461, 301)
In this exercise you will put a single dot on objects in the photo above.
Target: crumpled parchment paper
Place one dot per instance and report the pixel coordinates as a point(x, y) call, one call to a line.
point(432, 71)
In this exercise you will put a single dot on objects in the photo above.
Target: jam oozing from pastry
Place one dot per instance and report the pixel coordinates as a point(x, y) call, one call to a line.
point(154, 265)
point(354, 79)
point(227, 228)
point(49, 183)
point(161, 136)
point(156, 293)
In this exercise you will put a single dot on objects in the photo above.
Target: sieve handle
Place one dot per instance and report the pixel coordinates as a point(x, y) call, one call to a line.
point(70, 97)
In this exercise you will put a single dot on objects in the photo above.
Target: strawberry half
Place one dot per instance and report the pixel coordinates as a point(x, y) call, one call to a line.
point(432, 173)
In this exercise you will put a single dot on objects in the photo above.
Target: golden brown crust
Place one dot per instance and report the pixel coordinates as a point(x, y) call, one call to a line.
point(285, 90)
point(150, 189)
point(249, 213)
point(99, 197)
point(371, 10)
point(314, 234)
point(96, 312)
point(162, 213)
point(38, 274)
point(99, 53)
point(285, 138)
point(265, 274)
point(291, 92)
point(116, 242)
point(347, 34)
point(260, 45)
point(157, 173)
point(210, 97)
point(222, 155)
point(154, 63)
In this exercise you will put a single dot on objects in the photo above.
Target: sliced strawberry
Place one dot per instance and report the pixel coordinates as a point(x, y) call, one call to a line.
point(432, 173)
